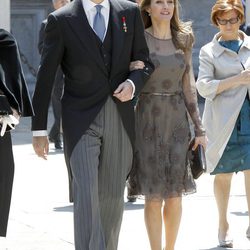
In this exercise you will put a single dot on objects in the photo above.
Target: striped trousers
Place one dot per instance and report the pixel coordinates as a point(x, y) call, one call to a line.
point(100, 163)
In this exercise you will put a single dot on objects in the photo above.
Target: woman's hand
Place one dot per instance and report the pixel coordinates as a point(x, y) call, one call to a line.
point(202, 140)
point(16, 114)
point(244, 77)
point(136, 65)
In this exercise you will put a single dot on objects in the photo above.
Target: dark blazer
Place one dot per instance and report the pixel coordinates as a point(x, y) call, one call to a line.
point(12, 81)
point(57, 91)
point(41, 36)
point(59, 75)
point(70, 41)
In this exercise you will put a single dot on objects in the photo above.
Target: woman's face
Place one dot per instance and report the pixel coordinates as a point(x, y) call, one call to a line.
point(229, 24)
point(161, 10)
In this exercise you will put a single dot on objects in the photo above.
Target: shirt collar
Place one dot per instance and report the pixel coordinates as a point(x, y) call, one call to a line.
point(219, 49)
point(88, 4)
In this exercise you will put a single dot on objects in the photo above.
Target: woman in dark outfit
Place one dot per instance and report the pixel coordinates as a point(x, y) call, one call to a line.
point(13, 86)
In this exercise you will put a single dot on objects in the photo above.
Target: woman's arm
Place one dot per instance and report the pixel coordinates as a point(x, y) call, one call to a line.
point(191, 101)
point(207, 85)
point(232, 82)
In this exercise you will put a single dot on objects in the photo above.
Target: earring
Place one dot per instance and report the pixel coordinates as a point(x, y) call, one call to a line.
point(149, 14)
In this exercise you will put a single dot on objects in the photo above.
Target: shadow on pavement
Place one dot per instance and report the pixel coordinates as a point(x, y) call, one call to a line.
point(220, 248)
point(133, 206)
point(55, 151)
point(64, 209)
point(240, 213)
point(127, 206)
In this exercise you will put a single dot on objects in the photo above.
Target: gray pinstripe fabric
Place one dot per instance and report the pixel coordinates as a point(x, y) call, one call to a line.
point(100, 163)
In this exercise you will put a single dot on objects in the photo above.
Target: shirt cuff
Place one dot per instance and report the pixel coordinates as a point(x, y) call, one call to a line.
point(133, 86)
point(40, 133)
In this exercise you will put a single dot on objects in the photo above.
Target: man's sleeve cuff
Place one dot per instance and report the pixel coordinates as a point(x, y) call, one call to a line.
point(40, 133)
point(133, 86)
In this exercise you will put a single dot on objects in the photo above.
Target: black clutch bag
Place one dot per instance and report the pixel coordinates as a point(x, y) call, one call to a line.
point(5, 108)
point(197, 160)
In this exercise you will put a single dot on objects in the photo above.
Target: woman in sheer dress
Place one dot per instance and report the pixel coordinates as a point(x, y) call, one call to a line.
point(161, 172)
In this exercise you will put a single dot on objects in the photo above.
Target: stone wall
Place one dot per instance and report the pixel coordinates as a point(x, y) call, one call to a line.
point(5, 14)
point(198, 11)
point(26, 17)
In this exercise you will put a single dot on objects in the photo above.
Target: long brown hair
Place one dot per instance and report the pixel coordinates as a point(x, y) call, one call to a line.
point(182, 33)
point(223, 6)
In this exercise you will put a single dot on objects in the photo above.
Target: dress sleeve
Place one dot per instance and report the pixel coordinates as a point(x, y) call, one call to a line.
point(190, 93)
point(12, 82)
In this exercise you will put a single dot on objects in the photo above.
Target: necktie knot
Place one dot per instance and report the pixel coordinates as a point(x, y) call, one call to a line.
point(98, 8)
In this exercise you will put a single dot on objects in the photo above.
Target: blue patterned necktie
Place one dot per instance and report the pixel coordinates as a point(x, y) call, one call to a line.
point(99, 23)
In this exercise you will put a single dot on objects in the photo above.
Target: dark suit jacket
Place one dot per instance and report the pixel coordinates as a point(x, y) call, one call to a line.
point(59, 75)
point(58, 85)
point(12, 81)
point(41, 36)
point(70, 41)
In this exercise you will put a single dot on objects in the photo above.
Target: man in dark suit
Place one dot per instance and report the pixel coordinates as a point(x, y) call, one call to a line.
point(94, 42)
point(55, 133)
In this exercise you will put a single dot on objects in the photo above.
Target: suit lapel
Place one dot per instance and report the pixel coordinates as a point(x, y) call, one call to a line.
point(80, 25)
point(116, 14)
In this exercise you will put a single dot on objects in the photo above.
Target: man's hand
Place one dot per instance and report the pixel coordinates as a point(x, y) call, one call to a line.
point(41, 146)
point(124, 91)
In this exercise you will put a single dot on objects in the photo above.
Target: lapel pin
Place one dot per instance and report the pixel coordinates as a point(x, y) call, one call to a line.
point(124, 25)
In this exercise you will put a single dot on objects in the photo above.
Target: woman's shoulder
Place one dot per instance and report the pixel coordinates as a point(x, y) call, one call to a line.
point(189, 39)
point(208, 46)
point(6, 38)
point(186, 38)
point(246, 42)
point(208, 53)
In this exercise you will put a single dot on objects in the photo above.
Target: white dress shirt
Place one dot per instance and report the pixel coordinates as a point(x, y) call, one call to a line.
point(90, 10)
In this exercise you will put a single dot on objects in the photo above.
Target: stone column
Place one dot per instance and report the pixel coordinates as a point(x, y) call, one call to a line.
point(248, 11)
point(5, 14)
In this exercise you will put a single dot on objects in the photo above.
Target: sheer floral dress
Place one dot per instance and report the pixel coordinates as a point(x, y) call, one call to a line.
point(161, 167)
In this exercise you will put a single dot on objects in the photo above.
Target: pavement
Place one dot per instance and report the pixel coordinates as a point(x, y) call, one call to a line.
point(41, 217)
